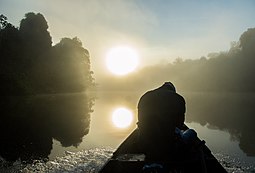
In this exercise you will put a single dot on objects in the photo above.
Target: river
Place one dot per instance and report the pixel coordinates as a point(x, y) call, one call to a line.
point(81, 136)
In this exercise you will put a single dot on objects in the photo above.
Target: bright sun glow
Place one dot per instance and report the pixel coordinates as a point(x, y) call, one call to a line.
point(122, 117)
point(121, 60)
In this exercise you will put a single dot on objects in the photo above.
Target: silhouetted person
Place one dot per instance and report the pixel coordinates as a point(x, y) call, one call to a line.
point(160, 111)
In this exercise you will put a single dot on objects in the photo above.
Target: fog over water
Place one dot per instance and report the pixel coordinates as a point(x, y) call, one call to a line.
point(55, 113)
point(225, 140)
point(220, 129)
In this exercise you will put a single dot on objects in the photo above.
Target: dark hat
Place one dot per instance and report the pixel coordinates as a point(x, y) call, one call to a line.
point(170, 86)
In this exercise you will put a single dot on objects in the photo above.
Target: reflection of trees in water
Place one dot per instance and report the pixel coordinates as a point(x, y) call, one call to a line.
point(29, 124)
point(230, 112)
point(31, 65)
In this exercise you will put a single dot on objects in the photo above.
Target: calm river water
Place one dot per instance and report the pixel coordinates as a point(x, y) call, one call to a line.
point(75, 129)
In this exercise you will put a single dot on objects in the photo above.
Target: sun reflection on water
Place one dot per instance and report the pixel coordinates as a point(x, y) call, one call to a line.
point(122, 117)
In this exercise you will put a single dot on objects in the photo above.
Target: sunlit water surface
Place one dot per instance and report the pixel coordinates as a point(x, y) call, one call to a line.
point(90, 161)
point(103, 138)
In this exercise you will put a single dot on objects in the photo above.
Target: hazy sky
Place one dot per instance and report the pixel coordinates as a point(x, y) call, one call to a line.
point(160, 30)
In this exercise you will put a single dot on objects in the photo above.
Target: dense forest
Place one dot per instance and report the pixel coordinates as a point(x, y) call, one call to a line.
point(29, 64)
point(42, 90)
point(228, 71)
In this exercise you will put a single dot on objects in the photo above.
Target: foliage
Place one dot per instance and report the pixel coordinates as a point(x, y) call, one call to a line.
point(29, 64)
point(230, 71)
point(3, 21)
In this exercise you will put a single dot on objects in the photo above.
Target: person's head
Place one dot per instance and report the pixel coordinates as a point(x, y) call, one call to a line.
point(170, 86)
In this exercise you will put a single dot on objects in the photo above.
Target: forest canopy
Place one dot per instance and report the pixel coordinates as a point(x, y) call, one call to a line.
point(29, 64)
point(228, 71)
point(31, 70)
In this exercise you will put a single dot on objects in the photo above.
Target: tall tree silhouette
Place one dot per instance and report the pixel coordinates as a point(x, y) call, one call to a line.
point(30, 65)
point(73, 64)
point(33, 29)
point(247, 43)
point(11, 75)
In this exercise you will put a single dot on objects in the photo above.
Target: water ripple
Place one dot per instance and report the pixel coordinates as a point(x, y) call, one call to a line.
point(90, 161)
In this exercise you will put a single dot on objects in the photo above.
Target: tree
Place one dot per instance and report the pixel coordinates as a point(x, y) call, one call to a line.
point(73, 65)
point(3, 21)
point(11, 74)
point(29, 64)
point(37, 39)
point(247, 42)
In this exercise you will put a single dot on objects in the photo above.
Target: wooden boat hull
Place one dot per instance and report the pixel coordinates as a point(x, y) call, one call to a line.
point(129, 158)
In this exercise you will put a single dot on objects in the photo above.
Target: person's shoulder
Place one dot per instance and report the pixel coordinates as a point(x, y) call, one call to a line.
point(180, 97)
point(178, 94)
point(147, 94)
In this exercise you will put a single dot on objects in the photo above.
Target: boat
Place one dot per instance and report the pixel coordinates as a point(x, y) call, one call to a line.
point(129, 158)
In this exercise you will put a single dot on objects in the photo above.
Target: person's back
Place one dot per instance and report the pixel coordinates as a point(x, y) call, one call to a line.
point(159, 112)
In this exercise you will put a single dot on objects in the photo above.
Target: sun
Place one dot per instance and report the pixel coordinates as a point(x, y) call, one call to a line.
point(121, 60)
point(122, 117)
